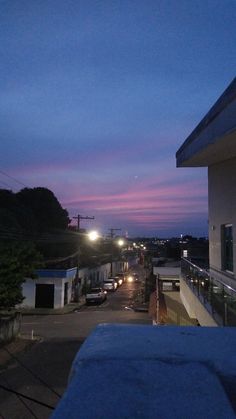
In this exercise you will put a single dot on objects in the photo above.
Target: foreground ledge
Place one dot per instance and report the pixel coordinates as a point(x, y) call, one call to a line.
point(126, 371)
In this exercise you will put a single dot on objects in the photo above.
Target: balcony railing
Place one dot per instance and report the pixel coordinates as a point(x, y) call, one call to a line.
point(218, 298)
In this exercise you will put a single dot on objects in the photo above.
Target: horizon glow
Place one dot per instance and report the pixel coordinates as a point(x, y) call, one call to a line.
point(97, 97)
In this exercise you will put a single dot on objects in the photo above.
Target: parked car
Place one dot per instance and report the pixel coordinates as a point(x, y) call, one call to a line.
point(119, 277)
point(110, 284)
point(96, 295)
point(136, 276)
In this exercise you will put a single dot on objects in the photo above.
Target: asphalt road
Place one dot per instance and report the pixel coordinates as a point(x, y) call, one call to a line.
point(116, 309)
point(42, 371)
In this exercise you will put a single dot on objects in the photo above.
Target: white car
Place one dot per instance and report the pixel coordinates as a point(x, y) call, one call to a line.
point(96, 295)
point(120, 278)
point(110, 284)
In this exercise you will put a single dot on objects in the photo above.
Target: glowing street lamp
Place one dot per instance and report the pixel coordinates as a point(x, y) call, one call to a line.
point(121, 242)
point(93, 235)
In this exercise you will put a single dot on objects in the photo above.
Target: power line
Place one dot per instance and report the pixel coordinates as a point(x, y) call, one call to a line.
point(62, 237)
point(6, 184)
point(62, 259)
point(11, 177)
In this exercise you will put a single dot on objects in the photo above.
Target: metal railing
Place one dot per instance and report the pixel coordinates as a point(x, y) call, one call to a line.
point(218, 298)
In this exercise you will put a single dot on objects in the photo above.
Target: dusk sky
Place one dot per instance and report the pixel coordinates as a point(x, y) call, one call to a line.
point(97, 97)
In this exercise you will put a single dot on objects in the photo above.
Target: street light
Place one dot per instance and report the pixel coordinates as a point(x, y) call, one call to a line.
point(121, 242)
point(93, 235)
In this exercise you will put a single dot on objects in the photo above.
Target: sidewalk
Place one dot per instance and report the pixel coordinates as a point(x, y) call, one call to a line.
point(141, 307)
point(10, 349)
point(23, 343)
point(68, 308)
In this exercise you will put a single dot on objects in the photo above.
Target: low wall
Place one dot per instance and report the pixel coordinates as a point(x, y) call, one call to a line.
point(9, 326)
point(194, 307)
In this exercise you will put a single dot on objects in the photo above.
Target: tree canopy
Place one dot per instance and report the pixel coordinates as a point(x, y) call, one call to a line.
point(34, 210)
point(17, 262)
point(45, 207)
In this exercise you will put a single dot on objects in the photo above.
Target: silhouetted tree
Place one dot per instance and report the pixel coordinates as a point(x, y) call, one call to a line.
point(14, 216)
point(46, 209)
point(17, 261)
point(36, 215)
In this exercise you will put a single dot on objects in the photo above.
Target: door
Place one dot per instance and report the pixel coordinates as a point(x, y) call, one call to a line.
point(44, 296)
point(65, 293)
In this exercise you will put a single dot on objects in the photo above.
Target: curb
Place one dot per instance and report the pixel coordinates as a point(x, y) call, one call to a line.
point(141, 309)
point(70, 308)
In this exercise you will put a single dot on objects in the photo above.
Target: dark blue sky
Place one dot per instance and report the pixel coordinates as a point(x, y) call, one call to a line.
point(97, 96)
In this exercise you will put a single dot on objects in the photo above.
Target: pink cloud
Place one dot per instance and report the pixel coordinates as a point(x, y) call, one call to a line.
point(151, 202)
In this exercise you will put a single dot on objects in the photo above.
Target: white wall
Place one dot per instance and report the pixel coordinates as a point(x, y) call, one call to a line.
point(29, 291)
point(222, 210)
point(90, 275)
point(59, 288)
point(87, 276)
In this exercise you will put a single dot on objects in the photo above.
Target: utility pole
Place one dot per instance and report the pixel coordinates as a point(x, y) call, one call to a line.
point(80, 217)
point(112, 231)
point(75, 284)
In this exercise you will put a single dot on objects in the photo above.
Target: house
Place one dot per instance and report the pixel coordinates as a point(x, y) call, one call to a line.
point(210, 296)
point(51, 289)
point(55, 288)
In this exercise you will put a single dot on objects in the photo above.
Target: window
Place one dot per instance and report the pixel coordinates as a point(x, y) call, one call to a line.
point(227, 247)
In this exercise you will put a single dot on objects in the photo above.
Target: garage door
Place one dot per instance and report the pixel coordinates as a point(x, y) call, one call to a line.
point(44, 297)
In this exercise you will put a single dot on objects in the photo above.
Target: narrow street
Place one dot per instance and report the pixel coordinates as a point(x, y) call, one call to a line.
point(41, 372)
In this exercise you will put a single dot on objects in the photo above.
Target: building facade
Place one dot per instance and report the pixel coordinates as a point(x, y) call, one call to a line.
point(55, 288)
point(213, 144)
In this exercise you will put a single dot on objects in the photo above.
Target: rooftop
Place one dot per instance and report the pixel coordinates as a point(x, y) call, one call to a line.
point(213, 139)
point(127, 371)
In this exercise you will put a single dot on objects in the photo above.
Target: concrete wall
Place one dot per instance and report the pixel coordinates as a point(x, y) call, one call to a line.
point(194, 307)
point(59, 289)
point(222, 210)
point(136, 371)
point(118, 266)
point(96, 275)
point(166, 272)
point(57, 277)
point(99, 273)
point(93, 276)
point(9, 327)
point(176, 314)
point(29, 291)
